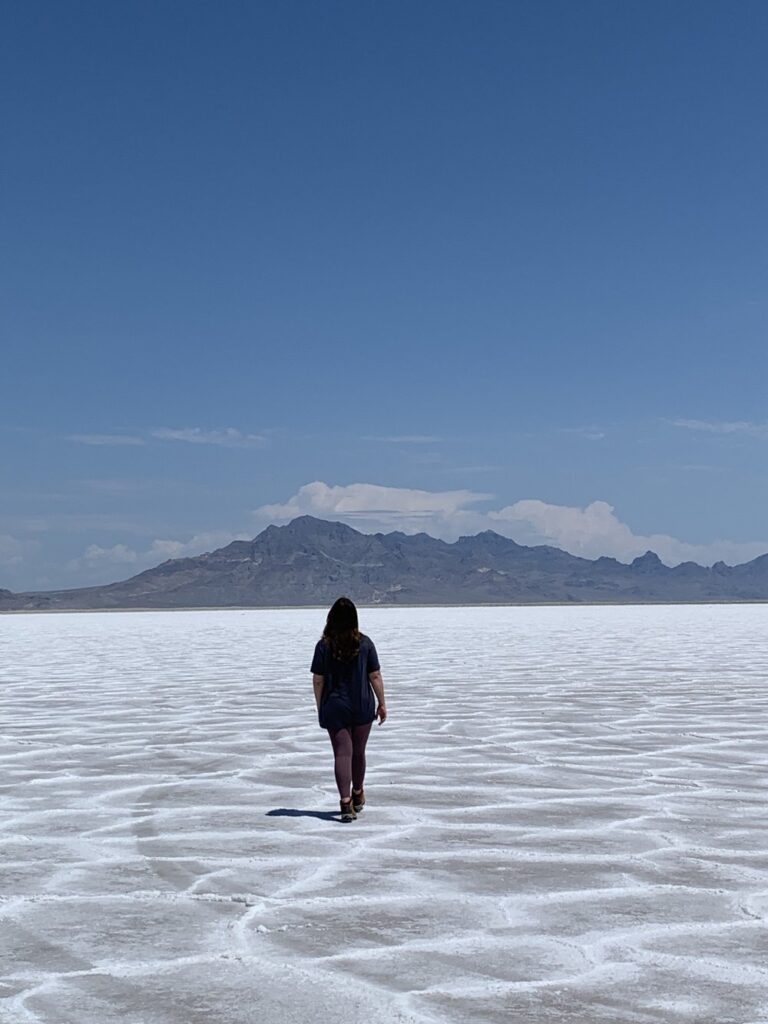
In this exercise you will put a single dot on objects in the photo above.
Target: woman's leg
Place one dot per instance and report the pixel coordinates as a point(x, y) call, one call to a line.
point(360, 734)
point(341, 740)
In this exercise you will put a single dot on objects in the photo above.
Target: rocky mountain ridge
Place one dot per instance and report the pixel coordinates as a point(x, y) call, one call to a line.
point(312, 561)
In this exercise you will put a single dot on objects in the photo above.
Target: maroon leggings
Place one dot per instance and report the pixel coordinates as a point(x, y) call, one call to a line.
point(349, 757)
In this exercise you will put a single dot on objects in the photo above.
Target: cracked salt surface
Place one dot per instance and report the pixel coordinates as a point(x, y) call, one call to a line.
point(565, 820)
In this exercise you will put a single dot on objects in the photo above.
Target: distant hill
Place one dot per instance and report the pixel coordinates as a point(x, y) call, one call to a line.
point(312, 561)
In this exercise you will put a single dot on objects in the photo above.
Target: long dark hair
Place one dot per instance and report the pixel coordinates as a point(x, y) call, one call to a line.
point(341, 632)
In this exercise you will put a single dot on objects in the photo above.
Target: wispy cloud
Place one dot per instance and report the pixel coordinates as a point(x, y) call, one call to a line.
point(106, 439)
point(14, 551)
point(146, 485)
point(405, 438)
point(759, 430)
point(588, 433)
point(158, 551)
point(85, 522)
point(118, 554)
point(226, 437)
point(425, 458)
point(481, 468)
point(112, 485)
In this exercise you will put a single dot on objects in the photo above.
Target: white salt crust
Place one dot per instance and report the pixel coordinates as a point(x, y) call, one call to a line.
point(566, 820)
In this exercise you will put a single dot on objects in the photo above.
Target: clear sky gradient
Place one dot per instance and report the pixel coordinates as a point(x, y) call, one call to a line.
point(436, 265)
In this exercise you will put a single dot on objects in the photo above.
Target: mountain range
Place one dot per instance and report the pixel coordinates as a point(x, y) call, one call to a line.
point(311, 561)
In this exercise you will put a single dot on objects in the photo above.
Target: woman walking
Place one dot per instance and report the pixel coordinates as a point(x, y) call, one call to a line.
point(346, 675)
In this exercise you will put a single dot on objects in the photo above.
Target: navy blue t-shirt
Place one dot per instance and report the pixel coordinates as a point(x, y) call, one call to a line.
point(348, 698)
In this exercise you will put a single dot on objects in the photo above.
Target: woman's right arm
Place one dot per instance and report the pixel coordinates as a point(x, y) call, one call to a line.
point(378, 688)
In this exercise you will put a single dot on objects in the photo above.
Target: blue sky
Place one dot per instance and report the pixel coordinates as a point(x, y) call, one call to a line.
point(437, 265)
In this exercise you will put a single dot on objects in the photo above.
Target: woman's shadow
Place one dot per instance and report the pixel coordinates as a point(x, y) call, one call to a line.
point(291, 812)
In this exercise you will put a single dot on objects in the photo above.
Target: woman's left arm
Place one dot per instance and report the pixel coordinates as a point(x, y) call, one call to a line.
point(318, 682)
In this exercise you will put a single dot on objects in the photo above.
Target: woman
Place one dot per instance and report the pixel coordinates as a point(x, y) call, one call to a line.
point(346, 675)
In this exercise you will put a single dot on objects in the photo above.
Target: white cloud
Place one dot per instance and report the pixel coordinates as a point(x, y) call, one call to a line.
point(406, 439)
point(118, 485)
point(196, 545)
point(596, 530)
point(588, 433)
point(372, 507)
point(480, 468)
point(13, 551)
point(159, 551)
point(106, 439)
point(589, 532)
point(85, 522)
point(119, 554)
point(226, 437)
point(759, 430)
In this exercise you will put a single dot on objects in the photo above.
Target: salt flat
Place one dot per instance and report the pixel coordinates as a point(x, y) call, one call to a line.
point(566, 820)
